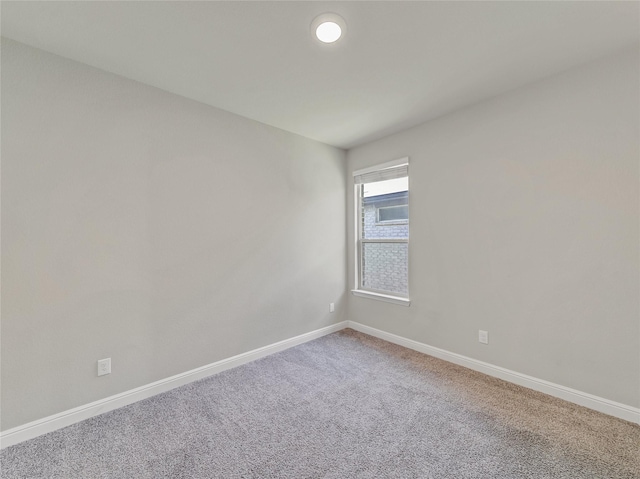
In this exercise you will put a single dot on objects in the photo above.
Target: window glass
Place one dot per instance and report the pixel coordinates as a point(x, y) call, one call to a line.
point(383, 231)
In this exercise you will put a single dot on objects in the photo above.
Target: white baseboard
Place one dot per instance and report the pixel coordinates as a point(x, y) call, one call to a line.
point(72, 416)
point(606, 406)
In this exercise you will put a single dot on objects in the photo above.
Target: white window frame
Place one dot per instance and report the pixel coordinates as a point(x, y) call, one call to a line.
point(358, 290)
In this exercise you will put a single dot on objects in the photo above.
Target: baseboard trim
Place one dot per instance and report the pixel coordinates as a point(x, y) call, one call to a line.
point(606, 406)
point(66, 418)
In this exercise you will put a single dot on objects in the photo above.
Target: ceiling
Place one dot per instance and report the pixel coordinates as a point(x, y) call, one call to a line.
point(399, 64)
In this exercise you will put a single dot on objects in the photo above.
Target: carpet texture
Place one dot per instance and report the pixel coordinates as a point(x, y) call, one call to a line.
point(343, 406)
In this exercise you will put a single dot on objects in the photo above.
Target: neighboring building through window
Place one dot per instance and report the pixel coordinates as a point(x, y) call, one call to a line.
point(382, 231)
point(393, 214)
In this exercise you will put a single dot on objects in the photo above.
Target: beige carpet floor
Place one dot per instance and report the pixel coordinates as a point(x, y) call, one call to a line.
point(344, 406)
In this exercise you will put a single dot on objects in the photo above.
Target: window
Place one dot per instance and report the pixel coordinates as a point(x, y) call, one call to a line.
point(393, 214)
point(382, 232)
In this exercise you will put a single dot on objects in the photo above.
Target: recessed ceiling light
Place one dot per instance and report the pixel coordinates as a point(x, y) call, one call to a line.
point(328, 27)
point(328, 32)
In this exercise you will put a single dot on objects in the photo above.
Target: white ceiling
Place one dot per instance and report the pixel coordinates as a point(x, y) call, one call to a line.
point(400, 63)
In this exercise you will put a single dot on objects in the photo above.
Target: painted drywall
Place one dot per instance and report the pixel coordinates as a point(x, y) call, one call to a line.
point(151, 229)
point(524, 222)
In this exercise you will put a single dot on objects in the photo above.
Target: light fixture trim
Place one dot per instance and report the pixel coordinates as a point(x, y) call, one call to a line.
point(328, 28)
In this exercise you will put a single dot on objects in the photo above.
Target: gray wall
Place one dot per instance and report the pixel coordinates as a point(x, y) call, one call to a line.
point(524, 222)
point(165, 234)
point(148, 228)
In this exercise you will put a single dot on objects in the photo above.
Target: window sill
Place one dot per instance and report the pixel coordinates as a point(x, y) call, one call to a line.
point(381, 297)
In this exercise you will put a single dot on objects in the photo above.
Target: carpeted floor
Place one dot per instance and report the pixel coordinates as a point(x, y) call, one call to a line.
point(343, 406)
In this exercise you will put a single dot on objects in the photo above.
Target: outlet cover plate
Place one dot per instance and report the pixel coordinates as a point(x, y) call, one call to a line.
point(483, 336)
point(104, 366)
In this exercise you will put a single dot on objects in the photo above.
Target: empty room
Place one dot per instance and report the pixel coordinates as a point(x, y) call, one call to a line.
point(300, 239)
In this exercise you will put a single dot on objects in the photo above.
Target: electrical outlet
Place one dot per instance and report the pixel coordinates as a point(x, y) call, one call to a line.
point(104, 366)
point(332, 307)
point(483, 336)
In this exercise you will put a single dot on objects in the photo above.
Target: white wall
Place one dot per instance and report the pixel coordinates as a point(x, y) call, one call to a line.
point(148, 228)
point(524, 222)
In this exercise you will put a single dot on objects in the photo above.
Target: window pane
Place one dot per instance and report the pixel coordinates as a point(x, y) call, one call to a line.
point(383, 230)
point(385, 267)
point(375, 228)
point(390, 198)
